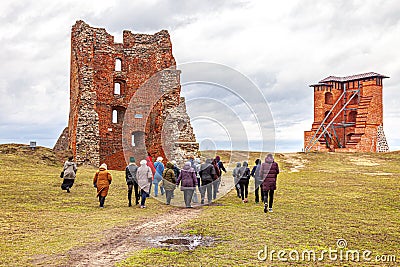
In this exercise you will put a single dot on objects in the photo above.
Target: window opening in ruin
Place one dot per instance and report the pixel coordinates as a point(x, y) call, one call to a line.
point(117, 88)
point(138, 116)
point(118, 114)
point(328, 98)
point(118, 64)
point(138, 139)
point(115, 116)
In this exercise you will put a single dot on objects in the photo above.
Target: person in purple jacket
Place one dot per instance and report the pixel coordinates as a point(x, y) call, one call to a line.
point(269, 171)
point(188, 180)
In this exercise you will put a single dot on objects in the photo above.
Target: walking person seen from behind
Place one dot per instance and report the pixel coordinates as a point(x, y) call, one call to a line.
point(216, 178)
point(69, 171)
point(236, 178)
point(218, 182)
point(207, 174)
point(131, 181)
point(144, 176)
point(169, 181)
point(255, 172)
point(159, 166)
point(102, 180)
point(244, 174)
point(188, 181)
point(269, 171)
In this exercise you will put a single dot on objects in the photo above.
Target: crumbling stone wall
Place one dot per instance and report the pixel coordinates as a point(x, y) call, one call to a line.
point(102, 93)
point(359, 126)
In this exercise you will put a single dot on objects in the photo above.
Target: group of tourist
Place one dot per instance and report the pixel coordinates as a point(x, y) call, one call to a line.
point(265, 175)
point(204, 177)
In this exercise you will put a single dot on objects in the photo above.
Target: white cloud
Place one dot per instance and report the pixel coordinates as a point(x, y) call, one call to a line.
point(283, 46)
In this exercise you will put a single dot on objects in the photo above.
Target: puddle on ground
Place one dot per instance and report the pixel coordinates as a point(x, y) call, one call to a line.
point(182, 242)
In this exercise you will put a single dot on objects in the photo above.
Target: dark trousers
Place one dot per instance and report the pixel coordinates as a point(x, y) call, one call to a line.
point(187, 197)
point(269, 193)
point(137, 196)
point(244, 188)
point(144, 196)
point(67, 184)
point(258, 192)
point(237, 187)
point(102, 200)
point(206, 186)
point(168, 195)
point(216, 184)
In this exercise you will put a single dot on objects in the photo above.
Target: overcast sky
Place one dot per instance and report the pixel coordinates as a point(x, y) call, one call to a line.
point(282, 46)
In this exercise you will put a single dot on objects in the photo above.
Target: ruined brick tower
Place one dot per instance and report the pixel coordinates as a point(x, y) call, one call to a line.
point(111, 80)
point(348, 115)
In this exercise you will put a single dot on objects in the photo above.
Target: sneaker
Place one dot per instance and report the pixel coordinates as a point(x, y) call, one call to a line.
point(270, 210)
point(246, 200)
point(68, 190)
point(265, 209)
point(202, 201)
point(142, 207)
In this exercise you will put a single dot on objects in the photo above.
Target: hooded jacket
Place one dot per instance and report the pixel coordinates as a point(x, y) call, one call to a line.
point(144, 176)
point(150, 164)
point(269, 171)
point(159, 166)
point(235, 173)
point(69, 170)
point(187, 177)
point(207, 171)
point(244, 171)
point(102, 179)
point(169, 177)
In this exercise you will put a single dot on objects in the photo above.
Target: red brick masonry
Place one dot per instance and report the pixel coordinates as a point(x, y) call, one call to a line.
point(110, 80)
point(357, 127)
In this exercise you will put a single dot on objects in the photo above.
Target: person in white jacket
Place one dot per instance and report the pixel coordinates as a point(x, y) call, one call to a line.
point(144, 177)
point(69, 171)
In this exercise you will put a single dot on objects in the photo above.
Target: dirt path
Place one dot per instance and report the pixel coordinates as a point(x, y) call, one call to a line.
point(118, 242)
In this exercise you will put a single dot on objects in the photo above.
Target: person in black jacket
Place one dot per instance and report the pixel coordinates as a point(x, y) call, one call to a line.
point(207, 173)
point(255, 173)
point(244, 174)
point(131, 181)
point(217, 182)
point(269, 171)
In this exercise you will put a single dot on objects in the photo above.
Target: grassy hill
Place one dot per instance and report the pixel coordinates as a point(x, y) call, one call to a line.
point(321, 197)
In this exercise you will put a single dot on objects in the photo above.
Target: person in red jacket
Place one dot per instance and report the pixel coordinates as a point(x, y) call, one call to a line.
point(269, 171)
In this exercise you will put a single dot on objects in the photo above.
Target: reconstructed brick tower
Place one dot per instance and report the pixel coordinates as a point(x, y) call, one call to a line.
point(348, 115)
point(108, 81)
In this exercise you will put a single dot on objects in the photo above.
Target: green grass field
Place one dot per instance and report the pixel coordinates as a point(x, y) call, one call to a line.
point(321, 197)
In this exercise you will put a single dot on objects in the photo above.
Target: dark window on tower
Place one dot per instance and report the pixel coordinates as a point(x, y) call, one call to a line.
point(352, 116)
point(328, 98)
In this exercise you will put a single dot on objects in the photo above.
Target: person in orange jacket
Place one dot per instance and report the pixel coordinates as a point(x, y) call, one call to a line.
point(102, 180)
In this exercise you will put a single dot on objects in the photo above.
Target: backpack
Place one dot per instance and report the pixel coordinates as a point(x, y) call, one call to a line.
point(132, 171)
